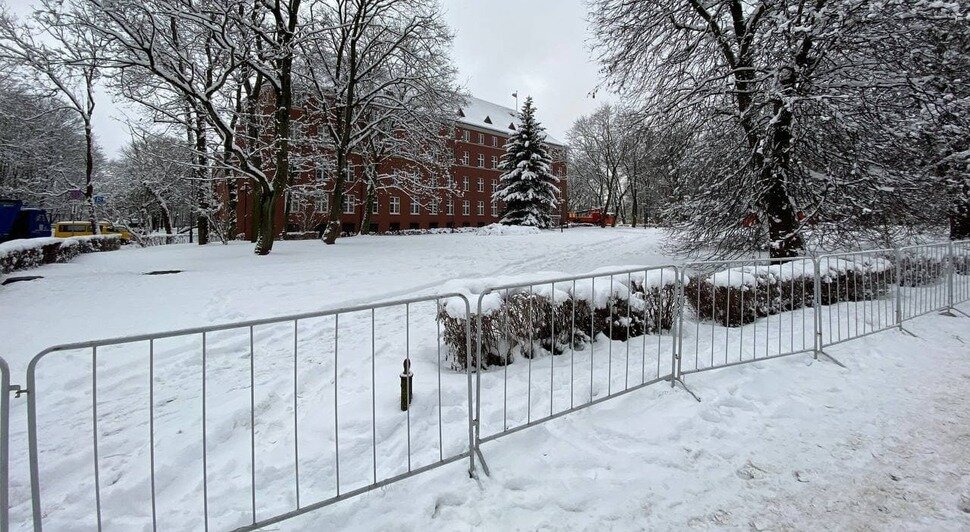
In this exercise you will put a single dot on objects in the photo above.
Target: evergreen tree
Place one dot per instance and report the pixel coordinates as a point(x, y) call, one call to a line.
point(527, 185)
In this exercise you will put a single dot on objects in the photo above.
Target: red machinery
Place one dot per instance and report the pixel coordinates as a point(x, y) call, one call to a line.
point(592, 216)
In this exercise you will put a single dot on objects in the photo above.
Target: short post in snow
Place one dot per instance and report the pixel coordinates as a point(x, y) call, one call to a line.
point(407, 385)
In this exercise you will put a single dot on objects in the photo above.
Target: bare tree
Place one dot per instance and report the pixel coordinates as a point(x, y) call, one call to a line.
point(384, 70)
point(64, 59)
point(208, 52)
point(772, 92)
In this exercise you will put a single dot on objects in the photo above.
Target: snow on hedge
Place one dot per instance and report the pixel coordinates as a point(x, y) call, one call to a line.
point(27, 253)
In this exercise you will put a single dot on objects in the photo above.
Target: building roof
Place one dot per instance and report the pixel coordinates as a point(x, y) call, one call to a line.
point(490, 116)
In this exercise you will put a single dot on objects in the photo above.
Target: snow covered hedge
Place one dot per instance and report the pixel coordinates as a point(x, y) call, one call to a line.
point(545, 319)
point(737, 296)
point(917, 270)
point(740, 295)
point(861, 279)
point(33, 252)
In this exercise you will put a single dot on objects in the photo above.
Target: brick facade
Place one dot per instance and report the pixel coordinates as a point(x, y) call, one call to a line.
point(478, 147)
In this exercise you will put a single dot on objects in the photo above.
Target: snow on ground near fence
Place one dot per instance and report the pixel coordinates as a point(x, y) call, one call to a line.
point(783, 444)
point(654, 457)
point(97, 298)
point(100, 296)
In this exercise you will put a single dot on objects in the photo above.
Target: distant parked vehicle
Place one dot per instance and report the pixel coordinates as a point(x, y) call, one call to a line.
point(82, 228)
point(592, 216)
point(19, 222)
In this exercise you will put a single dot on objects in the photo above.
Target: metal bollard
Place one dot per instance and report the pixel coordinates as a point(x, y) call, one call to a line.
point(407, 386)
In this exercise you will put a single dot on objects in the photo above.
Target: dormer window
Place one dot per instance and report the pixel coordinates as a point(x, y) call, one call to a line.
point(488, 120)
point(512, 126)
point(461, 114)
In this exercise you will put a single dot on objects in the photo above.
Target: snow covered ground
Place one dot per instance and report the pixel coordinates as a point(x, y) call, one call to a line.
point(788, 443)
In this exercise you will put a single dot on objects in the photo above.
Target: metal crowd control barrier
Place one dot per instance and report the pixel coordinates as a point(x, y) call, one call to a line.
point(856, 296)
point(141, 438)
point(187, 440)
point(599, 336)
point(959, 281)
point(743, 311)
point(4, 445)
point(924, 278)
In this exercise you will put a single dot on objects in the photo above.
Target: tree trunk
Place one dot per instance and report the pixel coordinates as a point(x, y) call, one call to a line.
point(960, 211)
point(265, 230)
point(784, 236)
point(202, 174)
point(368, 205)
point(89, 176)
point(634, 209)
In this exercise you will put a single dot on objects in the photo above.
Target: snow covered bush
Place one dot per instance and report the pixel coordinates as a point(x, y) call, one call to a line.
point(921, 270)
point(547, 319)
point(860, 279)
point(31, 253)
point(961, 264)
point(453, 317)
point(740, 295)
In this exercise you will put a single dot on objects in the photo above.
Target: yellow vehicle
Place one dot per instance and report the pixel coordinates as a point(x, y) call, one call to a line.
point(81, 228)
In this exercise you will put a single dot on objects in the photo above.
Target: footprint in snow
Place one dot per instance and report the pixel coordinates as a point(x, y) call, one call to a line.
point(751, 472)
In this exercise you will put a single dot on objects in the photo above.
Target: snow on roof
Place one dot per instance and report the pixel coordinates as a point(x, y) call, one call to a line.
point(493, 117)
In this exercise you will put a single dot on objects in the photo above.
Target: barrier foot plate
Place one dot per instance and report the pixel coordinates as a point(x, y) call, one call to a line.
point(686, 389)
point(481, 460)
point(903, 329)
point(832, 359)
point(950, 312)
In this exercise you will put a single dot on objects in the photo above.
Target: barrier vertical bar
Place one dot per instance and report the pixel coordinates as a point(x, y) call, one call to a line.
point(817, 303)
point(94, 431)
point(4, 442)
point(898, 293)
point(472, 418)
point(950, 266)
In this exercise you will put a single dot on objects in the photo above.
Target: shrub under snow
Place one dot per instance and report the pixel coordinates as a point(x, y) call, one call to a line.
point(548, 319)
point(33, 252)
point(737, 296)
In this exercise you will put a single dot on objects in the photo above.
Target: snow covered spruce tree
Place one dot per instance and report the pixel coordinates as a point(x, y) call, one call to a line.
point(527, 186)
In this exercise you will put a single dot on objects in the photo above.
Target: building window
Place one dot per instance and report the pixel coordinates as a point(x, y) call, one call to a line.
point(450, 208)
point(481, 160)
point(434, 181)
point(349, 203)
point(494, 186)
point(321, 203)
point(494, 141)
point(375, 208)
point(433, 208)
point(465, 136)
point(481, 208)
point(466, 208)
point(464, 183)
point(464, 158)
point(481, 184)
point(481, 138)
point(494, 161)
point(395, 205)
point(495, 209)
point(415, 207)
point(450, 182)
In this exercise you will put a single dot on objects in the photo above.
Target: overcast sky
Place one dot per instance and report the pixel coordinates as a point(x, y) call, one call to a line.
point(535, 47)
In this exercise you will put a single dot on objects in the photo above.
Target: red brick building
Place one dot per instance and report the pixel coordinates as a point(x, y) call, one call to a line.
point(463, 197)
